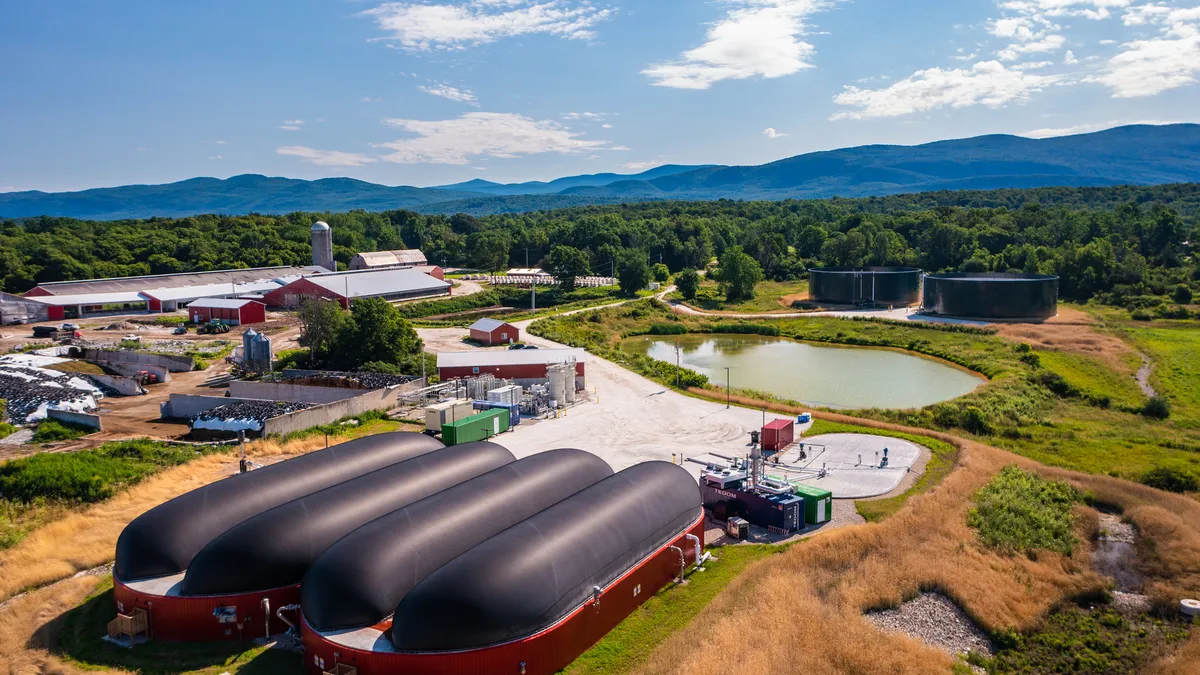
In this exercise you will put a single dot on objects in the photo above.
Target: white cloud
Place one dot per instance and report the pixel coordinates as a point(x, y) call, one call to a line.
point(757, 38)
point(1069, 58)
point(1152, 66)
point(987, 83)
point(370, 99)
point(1048, 43)
point(1089, 9)
point(292, 125)
point(584, 116)
point(771, 132)
point(503, 135)
point(215, 157)
point(640, 166)
point(221, 142)
point(1086, 128)
point(605, 126)
point(325, 157)
point(294, 122)
point(451, 93)
point(1032, 65)
point(423, 26)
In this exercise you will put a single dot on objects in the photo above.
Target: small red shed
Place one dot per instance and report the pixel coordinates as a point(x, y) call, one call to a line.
point(778, 434)
point(233, 311)
point(494, 332)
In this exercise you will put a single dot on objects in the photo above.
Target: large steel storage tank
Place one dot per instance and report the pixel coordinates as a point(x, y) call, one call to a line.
point(992, 295)
point(898, 286)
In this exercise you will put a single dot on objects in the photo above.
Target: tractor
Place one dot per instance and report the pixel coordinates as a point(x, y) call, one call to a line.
point(213, 327)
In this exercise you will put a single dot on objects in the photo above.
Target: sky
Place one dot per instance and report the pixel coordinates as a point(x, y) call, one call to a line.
point(432, 92)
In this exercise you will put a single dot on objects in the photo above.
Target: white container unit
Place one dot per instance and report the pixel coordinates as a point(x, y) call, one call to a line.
point(445, 412)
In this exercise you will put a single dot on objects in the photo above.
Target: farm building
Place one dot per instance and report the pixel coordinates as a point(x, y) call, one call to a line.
point(152, 281)
point(178, 297)
point(92, 304)
point(14, 308)
point(232, 311)
point(494, 332)
point(377, 260)
point(346, 287)
point(522, 366)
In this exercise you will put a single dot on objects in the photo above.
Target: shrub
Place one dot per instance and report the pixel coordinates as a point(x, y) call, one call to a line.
point(668, 329)
point(1156, 407)
point(1182, 294)
point(1172, 312)
point(291, 358)
point(50, 430)
point(1171, 479)
point(1141, 315)
point(1020, 511)
point(744, 328)
point(89, 475)
point(6, 429)
point(975, 421)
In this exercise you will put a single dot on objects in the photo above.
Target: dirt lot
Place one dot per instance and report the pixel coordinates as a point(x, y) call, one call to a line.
point(1070, 331)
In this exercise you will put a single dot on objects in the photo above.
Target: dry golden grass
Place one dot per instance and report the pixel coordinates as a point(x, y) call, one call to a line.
point(806, 605)
point(29, 627)
point(85, 539)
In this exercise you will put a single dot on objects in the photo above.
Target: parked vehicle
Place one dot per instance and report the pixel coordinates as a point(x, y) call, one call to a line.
point(516, 346)
point(68, 327)
point(213, 327)
point(179, 330)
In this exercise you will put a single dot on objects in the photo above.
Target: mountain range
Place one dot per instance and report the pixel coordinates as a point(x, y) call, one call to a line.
point(1129, 155)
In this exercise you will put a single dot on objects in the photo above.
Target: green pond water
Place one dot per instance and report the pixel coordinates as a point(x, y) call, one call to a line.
point(835, 377)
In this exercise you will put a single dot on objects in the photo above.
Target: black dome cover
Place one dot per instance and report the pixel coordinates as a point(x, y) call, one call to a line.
point(163, 540)
point(536, 572)
point(359, 580)
point(276, 547)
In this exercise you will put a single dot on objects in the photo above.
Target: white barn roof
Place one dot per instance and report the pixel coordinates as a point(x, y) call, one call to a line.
point(510, 357)
point(368, 283)
point(222, 303)
point(488, 325)
point(89, 299)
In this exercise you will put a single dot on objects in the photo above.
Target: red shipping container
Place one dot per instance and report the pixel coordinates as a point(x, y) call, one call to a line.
point(778, 434)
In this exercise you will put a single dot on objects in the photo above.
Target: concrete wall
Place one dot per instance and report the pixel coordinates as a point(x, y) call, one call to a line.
point(132, 369)
point(282, 391)
point(176, 364)
point(72, 417)
point(127, 386)
point(184, 406)
point(380, 399)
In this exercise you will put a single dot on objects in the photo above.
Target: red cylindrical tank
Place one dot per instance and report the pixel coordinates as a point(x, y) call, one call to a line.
point(542, 653)
point(201, 618)
point(777, 434)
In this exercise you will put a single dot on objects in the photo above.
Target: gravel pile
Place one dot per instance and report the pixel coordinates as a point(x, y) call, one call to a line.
point(364, 380)
point(1112, 529)
point(244, 415)
point(30, 391)
point(936, 620)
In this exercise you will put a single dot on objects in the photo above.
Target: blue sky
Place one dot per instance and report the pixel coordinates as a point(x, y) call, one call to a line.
point(438, 91)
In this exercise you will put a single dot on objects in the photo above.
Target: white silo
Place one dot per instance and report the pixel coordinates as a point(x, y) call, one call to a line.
point(322, 246)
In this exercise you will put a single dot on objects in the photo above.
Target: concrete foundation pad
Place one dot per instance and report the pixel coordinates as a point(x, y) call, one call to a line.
point(852, 463)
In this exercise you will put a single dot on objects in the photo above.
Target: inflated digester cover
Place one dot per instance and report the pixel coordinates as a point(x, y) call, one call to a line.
point(535, 573)
point(359, 580)
point(163, 540)
point(276, 547)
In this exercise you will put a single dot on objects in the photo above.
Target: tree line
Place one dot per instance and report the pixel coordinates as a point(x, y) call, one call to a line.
point(1122, 244)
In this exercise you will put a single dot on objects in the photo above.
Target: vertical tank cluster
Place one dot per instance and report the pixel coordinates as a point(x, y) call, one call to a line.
point(322, 246)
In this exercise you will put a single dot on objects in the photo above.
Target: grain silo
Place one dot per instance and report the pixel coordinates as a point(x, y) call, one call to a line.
point(322, 246)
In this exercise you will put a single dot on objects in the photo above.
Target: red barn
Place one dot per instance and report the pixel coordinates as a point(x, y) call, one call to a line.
point(494, 332)
point(235, 312)
point(346, 287)
point(522, 366)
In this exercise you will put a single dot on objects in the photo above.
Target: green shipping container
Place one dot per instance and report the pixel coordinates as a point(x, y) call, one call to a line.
point(818, 503)
point(478, 427)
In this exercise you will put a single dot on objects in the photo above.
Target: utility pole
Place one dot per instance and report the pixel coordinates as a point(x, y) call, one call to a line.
point(727, 395)
point(677, 372)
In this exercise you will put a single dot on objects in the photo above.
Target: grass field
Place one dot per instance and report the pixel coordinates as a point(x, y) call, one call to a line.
point(629, 644)
point(1174, 346)
point(769, 296)
point(1095, 378)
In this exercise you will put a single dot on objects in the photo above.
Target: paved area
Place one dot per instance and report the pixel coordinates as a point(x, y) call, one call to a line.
point(853, 463)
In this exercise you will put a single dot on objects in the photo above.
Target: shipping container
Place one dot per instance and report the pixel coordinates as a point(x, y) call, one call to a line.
point(777, 434)
point(818, 503)
point(478, 427)
point(514, 410)
point(438, 414)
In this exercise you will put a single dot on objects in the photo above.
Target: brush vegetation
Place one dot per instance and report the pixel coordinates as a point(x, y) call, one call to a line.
point(1020, 511)
point(50, 430)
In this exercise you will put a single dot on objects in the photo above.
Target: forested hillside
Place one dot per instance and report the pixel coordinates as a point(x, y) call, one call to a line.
point(1123, 242)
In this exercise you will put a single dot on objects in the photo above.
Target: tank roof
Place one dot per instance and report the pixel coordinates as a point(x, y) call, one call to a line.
point(320, 225)
point(991, 276)
point(873, 270)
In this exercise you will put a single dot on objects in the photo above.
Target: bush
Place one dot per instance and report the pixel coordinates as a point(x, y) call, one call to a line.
point(744, 328)
point(1156, 407)
point(975, 421)
point(50, 430)
point(667, 329)
point(1182, 294)
point(89, 475)
point(1171, 479)
point(1141, 315)
point(1020, 511)
point(1172, 312)
point(291, 358)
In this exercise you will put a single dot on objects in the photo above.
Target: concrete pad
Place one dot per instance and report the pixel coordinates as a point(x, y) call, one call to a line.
point(846, 476)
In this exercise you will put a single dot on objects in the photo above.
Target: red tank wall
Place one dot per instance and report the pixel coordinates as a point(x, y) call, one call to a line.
point(546, 652)
point(175, 618)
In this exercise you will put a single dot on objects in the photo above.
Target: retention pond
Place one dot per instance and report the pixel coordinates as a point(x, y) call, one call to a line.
point(834, 377)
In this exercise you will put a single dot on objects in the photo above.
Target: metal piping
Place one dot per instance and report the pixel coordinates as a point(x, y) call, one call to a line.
point(700, 557)
point(266, 605)
point(287, 608)
point(682, 563)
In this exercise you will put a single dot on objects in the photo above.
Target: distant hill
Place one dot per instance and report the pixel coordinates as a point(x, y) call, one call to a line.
point(1130, 155)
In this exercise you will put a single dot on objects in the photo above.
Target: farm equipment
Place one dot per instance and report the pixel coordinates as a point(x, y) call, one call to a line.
point(213, 327)
point(146, 377)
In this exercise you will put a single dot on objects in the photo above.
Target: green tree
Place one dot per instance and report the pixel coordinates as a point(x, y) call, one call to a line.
point(566, 263)
point(633, 271)
point(688, 282)
point(488, 250)
point(1182, 294)
point(321, 325)
point(739, 273)
point(377, 332)
point(661, 272)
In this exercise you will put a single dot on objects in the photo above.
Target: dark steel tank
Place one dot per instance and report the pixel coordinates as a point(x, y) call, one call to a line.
point(992, 295)
point(535, 573)
point(899, 286)
point(163, 540)
point(360, 579)
point(276, 547)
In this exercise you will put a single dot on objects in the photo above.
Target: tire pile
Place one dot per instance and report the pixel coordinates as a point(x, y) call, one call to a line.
point(363, 380)
point(29, 391)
